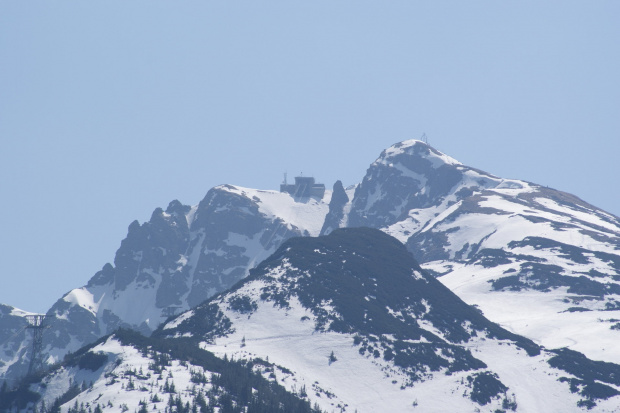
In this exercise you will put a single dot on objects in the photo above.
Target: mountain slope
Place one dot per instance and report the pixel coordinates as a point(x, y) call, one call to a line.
point(356, 302)
point(129, 372)
point(539, 261)
point(176, 260)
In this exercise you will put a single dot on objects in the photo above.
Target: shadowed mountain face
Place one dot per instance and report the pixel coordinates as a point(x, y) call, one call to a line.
point(371, 285)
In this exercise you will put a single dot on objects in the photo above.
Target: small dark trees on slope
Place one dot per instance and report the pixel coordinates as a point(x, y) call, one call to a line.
point(332, 358)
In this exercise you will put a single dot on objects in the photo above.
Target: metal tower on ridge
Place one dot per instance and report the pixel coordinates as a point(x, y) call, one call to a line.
point(36, 323)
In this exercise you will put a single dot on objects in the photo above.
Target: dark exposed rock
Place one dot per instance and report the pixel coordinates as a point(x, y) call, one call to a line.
point(335, 215)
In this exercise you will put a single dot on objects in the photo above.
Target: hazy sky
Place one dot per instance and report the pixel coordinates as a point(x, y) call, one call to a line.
point(109, 109)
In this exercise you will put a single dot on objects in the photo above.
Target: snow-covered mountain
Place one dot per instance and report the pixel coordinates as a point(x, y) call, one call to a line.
point(542, 263)
point(129, 372)
point(182, 256)
point(345, 322)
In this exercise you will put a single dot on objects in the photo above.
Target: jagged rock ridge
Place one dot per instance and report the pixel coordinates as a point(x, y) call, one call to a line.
point(177, 259)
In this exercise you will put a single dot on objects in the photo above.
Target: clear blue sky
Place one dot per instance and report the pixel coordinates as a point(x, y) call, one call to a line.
point(109, 109)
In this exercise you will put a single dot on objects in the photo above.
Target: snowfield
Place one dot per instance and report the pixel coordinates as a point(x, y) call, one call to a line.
point(307, 215)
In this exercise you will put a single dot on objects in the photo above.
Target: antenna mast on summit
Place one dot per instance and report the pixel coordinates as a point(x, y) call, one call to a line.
point(36, 322)
point(424, 138)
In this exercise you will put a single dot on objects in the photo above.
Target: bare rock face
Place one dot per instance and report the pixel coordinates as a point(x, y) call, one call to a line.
point(337, 205)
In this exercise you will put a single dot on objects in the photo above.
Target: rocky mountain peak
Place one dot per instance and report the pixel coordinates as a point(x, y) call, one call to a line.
point(412, 175)
point(417, 155)
point(177, 208)
point(336, 214)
